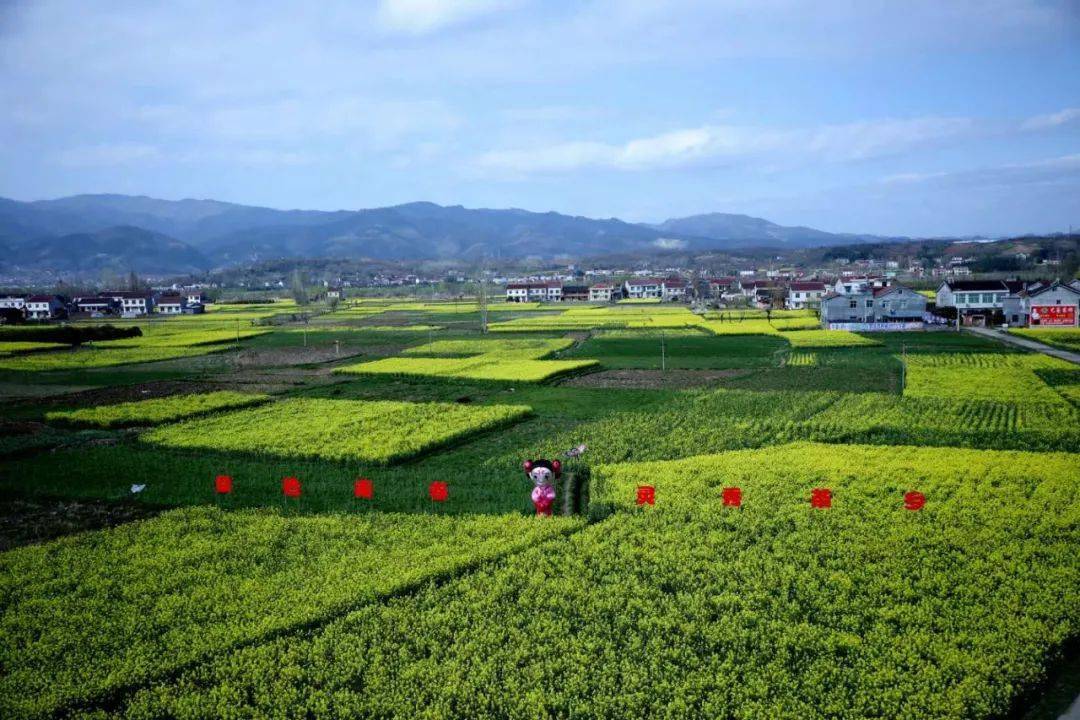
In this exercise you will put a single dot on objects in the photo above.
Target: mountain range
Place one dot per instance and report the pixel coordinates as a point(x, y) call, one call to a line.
point(88, 233)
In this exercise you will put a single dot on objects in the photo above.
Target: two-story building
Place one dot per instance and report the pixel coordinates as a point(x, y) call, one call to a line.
point(802, 295)
point(13, 302)
point(1054, 306)
point(856, 285)
point(641, 288)
point(136, 302)
point(170, 304)
point(45, 307)
point(720, 285)
point(674, 289)
point(987, 302)
point(97, 305)
point(601, 292)
point(575, 293)
point(892, 304)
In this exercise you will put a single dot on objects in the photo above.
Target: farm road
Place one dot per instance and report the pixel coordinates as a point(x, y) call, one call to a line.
point(1026, 344)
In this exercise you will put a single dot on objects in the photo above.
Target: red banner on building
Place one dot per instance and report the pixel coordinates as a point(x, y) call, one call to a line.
point(1053, 315)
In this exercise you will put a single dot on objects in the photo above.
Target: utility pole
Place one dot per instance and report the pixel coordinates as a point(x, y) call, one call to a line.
point(903, 368)
point(663, 353)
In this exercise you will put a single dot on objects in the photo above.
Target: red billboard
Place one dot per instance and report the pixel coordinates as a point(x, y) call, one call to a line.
point(1053, 315)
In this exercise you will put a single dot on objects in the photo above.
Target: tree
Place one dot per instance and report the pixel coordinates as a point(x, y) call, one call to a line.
point(133, 282)
point(1070, 265)
point(299, 293)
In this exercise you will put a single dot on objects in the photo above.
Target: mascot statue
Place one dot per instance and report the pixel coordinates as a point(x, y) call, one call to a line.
point(543, 473)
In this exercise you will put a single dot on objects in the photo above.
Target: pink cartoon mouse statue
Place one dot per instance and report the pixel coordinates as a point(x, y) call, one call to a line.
point(543, 473)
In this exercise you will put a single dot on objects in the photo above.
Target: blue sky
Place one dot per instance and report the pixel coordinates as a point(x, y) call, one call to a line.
point(917, 117)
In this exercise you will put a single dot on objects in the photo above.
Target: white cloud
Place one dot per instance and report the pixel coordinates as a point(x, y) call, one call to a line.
point(1065, 168)
point(420, 17)
point(713, 144)
point(1052, 120)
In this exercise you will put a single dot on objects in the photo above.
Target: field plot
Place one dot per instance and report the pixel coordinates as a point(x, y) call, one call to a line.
point(984, 376)
point(689, 609)
point(156, 411)
point(377, 432)
point(1064, 338)
point(498, 360)
point(102, 611)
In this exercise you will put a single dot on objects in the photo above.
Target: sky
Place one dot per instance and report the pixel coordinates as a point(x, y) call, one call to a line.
point(905, 117)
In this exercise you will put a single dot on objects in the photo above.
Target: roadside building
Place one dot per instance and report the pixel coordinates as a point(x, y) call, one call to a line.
point(601, 292)
point(802, 295)
point(1056, 305)
point(198, 297)
point(45, 307)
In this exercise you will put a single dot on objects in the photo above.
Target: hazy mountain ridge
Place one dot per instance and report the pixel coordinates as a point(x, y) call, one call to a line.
point(84, 232)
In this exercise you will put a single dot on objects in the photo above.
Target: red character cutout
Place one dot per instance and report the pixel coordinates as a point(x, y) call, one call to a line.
point(362, 488)
point(223, 484)
point(914, 500)
point(732, 497)
point(821, 498)
point(646, 495)
point(543, 474)
point(439, 491)
point(291, 487)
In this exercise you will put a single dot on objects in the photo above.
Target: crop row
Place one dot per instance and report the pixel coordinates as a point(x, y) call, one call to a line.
point(154, 411)
point(684, 610)
point(94, 613)
point(379, 432)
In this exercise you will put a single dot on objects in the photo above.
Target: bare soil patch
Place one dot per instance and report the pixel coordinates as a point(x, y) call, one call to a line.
point(649, 379)
point(24, 521)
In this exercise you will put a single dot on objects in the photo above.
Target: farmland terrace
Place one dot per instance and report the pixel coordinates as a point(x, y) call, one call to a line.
point(322, 512)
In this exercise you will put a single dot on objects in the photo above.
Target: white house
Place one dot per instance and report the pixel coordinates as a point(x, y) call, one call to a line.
point(601, 292)
point(44, 307)
point(15, 302)
point(132, 303)
point(1057, 305)
point(802, 295)
point(674, 289)
point(171, 304)
point(640, 288)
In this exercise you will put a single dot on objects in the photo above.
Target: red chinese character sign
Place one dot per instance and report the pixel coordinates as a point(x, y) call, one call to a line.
point(1053, 315)
point(821, 498)
point(914, 500)
point(439, 491)
point(732, 497)
point(223, 484)
point(543, 474)
point(646, 495)
point(290, 487)
point(363, 489)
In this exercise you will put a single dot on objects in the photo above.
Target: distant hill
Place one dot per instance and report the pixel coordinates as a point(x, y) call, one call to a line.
point(746, 229)
point(120, 249)
point(91, 231)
